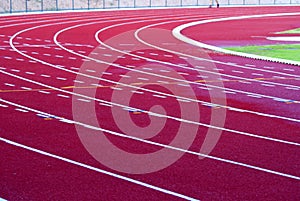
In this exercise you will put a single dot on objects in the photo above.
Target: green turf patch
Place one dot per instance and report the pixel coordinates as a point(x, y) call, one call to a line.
point(290, 52)
point(293, 31)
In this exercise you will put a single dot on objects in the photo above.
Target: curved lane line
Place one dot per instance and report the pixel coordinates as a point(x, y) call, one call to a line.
point(155, 143)
point(119, 105)
point(177, 34)
point(236, 109)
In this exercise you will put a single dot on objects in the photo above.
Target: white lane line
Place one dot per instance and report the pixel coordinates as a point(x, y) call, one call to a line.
point(268, 85)
point(229, 92)
point(181, 100)
point(205, 88)
point(19, 59)
point(251, 65)
point(78, 81)
point(43, 75)
point(268, 67)
point(178, 53)
point(1, 199)
point(91, 71)
point(137, 92)
point(182, 73)
point(74, 68)
point(130, 66)
point(163, 82)
point(15, 70)
point(281, 100)
point(142, 78)
point(254, 96)
point(291, 88)
point(5, 106)
point(87, 98)
point(126, 76)
point(116, 88)
point(21, 110)
point(44, 92)
point(159, 96)
point(289, 69)
point(164, 71)
point(83, 100)
point(237, 71)
point(30, 73)
point(96, 169)
point(106, 73)
point(154, 143)
point(157, 75)
point(183, 85)
point(26, 88)
point(63, 96)
point(257, 74)
point(61, 78)
point(73, 52)
point(106, 105)
point(10, 85)
point(97, 85)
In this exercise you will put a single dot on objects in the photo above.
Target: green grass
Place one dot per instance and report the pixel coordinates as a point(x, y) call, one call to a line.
point(290, 52)
point(293, 31)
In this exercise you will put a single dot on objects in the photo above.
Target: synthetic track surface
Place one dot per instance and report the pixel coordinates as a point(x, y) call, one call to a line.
point(59, 72)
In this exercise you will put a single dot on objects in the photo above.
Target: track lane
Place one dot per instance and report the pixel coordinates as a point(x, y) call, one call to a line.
point(217, 195)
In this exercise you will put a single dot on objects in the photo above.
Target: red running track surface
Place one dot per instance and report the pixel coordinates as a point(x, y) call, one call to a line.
point(110, 106)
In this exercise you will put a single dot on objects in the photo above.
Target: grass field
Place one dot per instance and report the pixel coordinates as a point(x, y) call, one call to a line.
point(293, 31)
point(282, 51)
point(290, 52)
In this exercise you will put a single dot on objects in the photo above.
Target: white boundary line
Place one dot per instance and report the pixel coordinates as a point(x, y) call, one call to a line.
point(97, 170)
point(177, 34)
point(154, 143)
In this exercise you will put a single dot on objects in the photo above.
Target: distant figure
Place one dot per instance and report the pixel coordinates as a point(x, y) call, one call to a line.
point(211, 1)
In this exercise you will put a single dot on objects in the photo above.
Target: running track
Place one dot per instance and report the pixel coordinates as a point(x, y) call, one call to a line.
point(204, 125)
